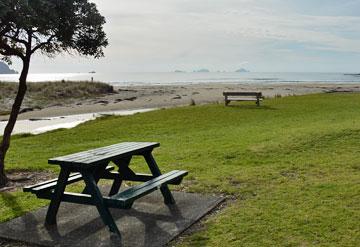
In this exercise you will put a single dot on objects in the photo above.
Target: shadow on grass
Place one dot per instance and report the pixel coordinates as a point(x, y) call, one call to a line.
point(252, 107)
point(10, 201)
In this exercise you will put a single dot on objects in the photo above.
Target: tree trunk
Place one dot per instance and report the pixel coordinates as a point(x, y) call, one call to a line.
point(5, 143)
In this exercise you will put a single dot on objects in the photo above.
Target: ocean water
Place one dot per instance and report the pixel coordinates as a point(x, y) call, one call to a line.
point(178, 78)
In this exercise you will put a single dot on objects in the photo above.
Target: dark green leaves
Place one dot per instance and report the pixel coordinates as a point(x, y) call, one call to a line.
point(51, 26)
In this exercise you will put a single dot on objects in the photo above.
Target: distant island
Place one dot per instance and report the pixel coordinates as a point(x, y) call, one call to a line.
point(242, 70)
point(179, 71)
point(201, 71)
point(4, 69)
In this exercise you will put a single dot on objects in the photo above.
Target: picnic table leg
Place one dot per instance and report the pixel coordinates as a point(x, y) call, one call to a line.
point(257, 101)
point(122, 165)
point(99, 202)
point(56, 200)
point(115, 186)
point(168, 197)
point(98, 171)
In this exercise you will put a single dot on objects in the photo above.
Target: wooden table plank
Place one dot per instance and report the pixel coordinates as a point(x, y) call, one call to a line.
point(97, 151)
point(102, 154)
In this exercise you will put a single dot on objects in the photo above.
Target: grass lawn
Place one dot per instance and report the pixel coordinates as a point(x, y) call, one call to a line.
point(291, 165)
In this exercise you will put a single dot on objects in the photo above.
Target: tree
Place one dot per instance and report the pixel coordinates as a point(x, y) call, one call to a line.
point(50, 27)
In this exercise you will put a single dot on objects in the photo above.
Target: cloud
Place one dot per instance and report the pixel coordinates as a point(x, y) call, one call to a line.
point(160, 34)
point(224, 22)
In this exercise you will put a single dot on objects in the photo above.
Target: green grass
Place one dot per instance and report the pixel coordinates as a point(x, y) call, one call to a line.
point(292, 165)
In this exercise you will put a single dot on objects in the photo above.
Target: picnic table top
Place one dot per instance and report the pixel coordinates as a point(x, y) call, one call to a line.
point(103, 154)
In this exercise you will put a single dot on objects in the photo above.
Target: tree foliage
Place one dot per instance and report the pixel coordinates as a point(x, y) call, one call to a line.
point(51, 27)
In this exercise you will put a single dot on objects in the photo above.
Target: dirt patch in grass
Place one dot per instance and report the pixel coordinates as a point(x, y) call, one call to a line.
point(19, 179)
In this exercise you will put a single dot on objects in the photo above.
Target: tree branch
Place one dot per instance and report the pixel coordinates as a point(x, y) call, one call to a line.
point(15, 37)
point(5, 30)
point(43, 43)
point(7, 50)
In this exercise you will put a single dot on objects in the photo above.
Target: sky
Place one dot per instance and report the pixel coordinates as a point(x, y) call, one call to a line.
point(261, 35)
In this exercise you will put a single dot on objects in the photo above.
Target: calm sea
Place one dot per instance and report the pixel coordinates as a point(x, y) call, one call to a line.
point(194, 78)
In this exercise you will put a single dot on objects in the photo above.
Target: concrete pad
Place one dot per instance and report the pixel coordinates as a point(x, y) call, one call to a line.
point(149, 223)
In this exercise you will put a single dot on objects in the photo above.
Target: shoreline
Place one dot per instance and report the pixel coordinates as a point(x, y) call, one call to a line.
point(41, 125)
point(165, 96)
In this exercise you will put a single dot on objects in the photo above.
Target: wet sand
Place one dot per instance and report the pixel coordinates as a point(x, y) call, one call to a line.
point(164, 96)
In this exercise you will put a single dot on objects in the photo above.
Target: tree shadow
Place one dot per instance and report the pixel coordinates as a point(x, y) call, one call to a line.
point(11, 202)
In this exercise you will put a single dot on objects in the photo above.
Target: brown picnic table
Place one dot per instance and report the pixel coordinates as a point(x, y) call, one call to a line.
point(91, 166)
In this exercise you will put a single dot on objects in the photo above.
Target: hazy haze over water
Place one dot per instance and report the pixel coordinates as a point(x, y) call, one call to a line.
point(194, 78)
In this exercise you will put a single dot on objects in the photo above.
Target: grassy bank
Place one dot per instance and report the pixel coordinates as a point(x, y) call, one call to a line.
point(291, 165)
point(44, 94)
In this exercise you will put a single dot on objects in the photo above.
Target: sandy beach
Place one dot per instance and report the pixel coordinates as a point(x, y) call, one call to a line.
point(164, 96)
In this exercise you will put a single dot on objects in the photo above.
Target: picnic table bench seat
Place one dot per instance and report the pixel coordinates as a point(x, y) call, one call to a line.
point(51, 184)
point(128, 196)
point(242, 96)
point(123, 199)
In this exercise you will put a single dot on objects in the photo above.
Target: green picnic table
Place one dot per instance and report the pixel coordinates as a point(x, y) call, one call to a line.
point(91, 166)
